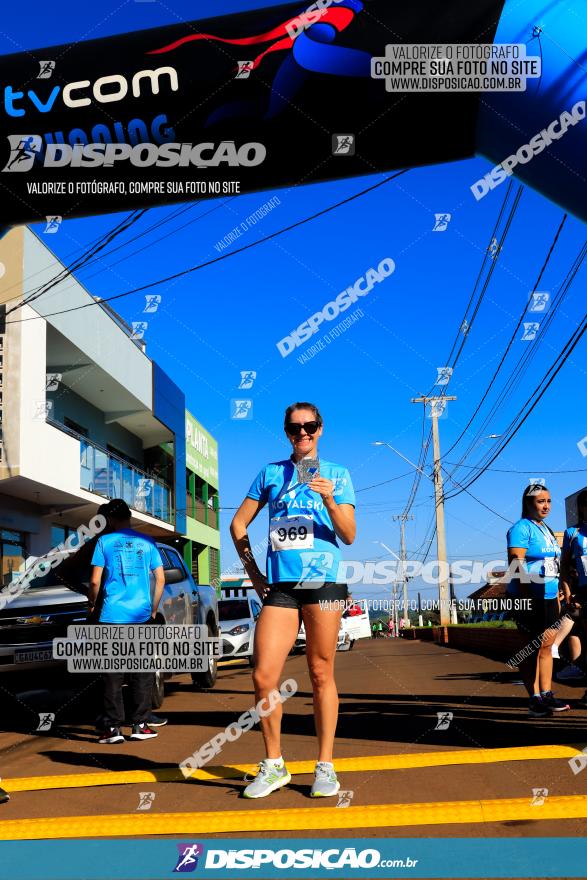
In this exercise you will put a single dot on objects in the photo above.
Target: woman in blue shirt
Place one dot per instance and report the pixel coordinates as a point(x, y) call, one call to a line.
point(534, 555)
point(311, 504)
point(574, 559)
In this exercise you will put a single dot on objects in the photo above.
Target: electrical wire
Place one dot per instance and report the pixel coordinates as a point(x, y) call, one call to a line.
point(219, 259)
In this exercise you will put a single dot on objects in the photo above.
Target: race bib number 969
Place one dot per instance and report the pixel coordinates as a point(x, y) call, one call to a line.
point(292, 533)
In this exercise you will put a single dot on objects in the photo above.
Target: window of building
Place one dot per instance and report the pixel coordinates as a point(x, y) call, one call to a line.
point(214, 565)
point(74, 426)
point(12, 554)
point(59, 534)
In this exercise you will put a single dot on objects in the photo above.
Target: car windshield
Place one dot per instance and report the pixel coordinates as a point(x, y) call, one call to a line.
point(233, 609)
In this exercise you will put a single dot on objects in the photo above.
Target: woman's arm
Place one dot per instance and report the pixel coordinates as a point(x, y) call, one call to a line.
point(565, 575)
point(238, 530)
point(342, 515)
point(519, 553)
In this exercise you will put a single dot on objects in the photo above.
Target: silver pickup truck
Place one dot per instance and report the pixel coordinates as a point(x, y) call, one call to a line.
point(30, 622)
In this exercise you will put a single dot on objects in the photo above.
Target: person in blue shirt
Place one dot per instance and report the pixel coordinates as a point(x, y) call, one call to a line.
point(573, 579)
point(126, 558)
point(533, 555)
point(311, 507)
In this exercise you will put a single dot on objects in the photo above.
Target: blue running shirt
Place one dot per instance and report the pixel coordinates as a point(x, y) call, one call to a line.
point(128, 558)
point(542, 557)
point(302, 545)
point(575, 540)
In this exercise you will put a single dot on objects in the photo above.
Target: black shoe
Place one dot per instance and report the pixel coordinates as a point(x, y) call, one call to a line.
point(110, 735)
point(538, 708)
point(549, 700)
point(156, 721)
point(4, 796)
point(142, 731)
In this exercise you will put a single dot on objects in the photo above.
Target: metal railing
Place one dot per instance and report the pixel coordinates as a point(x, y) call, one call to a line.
point(105, 474)
point(200, 511)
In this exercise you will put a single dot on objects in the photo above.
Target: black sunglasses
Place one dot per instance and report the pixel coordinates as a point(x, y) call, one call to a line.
point(295, 428)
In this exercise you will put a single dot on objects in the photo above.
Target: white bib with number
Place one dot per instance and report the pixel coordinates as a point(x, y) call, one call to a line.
point(291, 533)
point(551, 568)
point(584, 561)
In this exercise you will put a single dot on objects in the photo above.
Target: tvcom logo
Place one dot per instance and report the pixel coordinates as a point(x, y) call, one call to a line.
point(105, 90)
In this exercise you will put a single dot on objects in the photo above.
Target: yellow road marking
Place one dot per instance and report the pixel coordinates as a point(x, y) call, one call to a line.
point(301, 819)
point(296, 768)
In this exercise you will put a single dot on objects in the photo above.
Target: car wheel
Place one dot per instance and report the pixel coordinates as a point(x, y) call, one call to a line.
point(206, 680)
point(158, 691)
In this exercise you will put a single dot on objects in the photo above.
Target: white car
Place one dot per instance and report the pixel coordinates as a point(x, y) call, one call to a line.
point(352, 627)
point(238, 610)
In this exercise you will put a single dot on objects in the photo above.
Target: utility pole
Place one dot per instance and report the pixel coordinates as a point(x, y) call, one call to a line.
point(402, 517)
point(443, 588)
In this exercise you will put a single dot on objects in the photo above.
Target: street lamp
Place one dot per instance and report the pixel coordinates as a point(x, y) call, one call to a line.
point(394, 585)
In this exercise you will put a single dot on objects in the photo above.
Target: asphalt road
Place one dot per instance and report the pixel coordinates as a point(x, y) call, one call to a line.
point(391, 692)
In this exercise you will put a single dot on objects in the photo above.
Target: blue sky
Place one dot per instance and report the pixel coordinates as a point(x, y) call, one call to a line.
point(219, 321)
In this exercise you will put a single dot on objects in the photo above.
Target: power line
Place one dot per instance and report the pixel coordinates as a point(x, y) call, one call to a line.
point(519, 370)
point(80, 262)
point(513, 336)
point(219, 259)
point(538, 393)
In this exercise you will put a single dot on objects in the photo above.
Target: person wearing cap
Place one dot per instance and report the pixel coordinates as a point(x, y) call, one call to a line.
point(574, 562)
point(534, 555)
point(126, 558)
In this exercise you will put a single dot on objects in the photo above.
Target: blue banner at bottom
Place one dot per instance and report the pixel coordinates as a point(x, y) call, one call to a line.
point(226, 859)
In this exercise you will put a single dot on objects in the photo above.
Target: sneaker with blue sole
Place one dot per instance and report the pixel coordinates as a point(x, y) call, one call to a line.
point(325, 782)
point(268, 779)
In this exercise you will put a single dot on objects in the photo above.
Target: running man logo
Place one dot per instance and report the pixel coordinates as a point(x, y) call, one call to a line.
point(539, 302)
point(241, 409)
point(138, 329)
point(46, 69)
point(345, 798)
point(444, 720)
point(152, 302)
point(436, 409)
point(247, 379)
point(53, 224)
point(315, 567)
point(46, 720)
point(343, 145)
point(530, 330)
point(444, 374)
point(146, 799)
point(187, 860)
point(244, 69)
point(24, 149)
point(52, 381)
point(539, 795)
point(494, 248)
point(582, 446)
point(441, 222)
point(144, 488)
point(43, 410)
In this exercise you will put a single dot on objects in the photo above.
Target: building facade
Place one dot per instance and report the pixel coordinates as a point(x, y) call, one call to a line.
point(85, 415)
point(202, 548)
